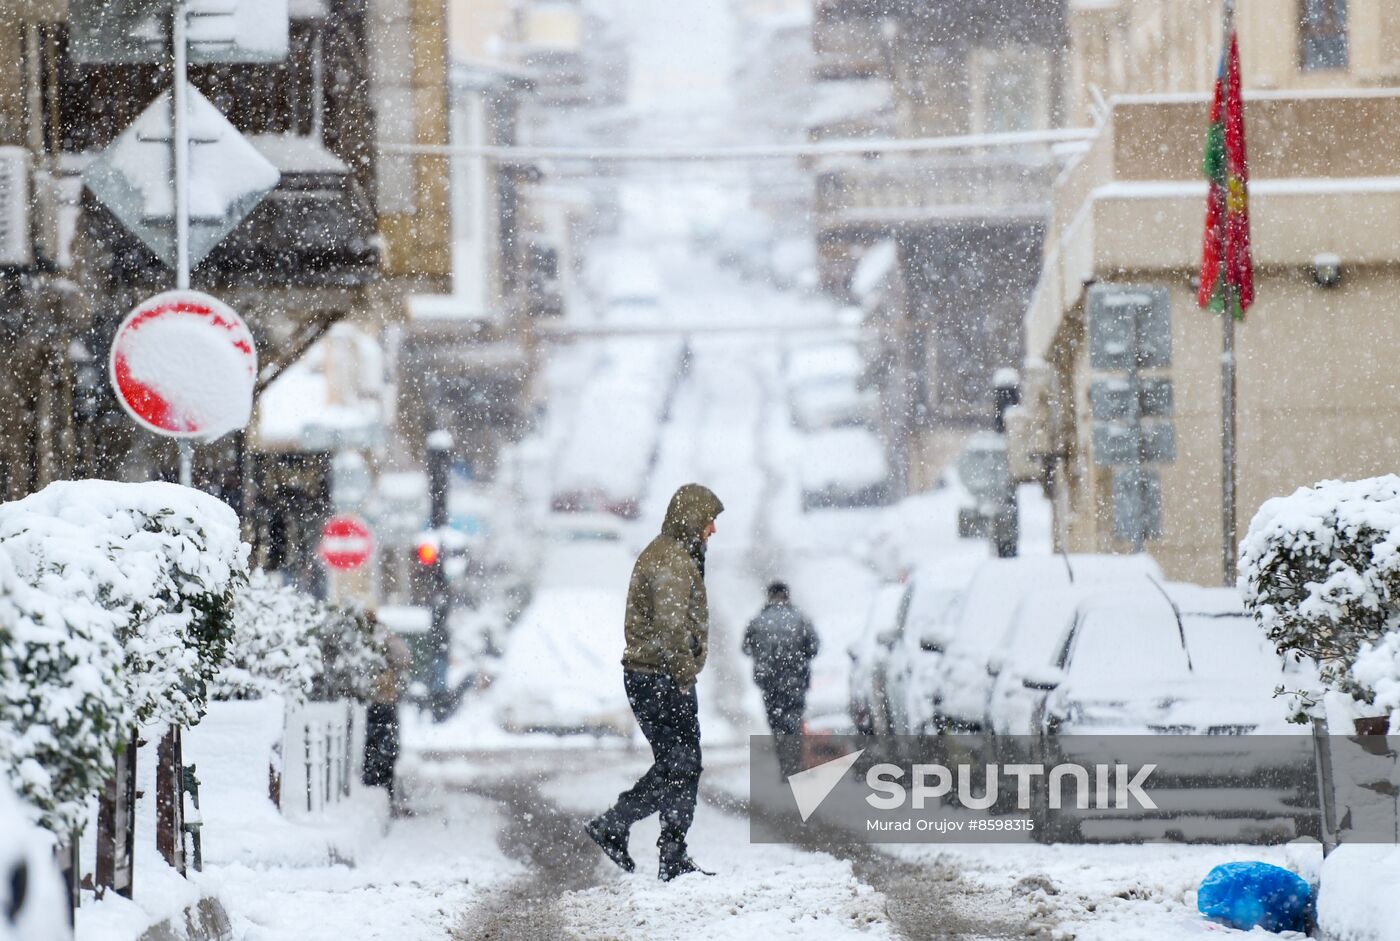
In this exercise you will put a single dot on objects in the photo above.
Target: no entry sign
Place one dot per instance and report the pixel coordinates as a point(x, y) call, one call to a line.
point(183, 365)
point(345, 542)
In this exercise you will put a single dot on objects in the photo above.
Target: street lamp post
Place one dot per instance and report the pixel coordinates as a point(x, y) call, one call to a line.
point(438, 458)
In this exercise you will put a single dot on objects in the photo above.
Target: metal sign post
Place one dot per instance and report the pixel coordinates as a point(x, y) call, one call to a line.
point(1129, 331)
point(180, 160)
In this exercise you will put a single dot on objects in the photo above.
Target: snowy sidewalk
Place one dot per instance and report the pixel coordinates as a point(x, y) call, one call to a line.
point(349, 872)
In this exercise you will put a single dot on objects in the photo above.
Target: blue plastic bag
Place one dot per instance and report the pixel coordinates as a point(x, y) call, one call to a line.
point(1250, 895)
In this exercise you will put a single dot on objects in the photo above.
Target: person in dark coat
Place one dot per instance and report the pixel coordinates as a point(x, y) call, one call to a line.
point(783, 643)
point(382, 717)
point(668, 636)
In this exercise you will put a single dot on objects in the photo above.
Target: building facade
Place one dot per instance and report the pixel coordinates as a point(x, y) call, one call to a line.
point(350, 232)
point(967, 223)
point(1315, 394)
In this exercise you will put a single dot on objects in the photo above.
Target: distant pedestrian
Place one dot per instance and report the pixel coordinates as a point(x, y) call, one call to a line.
point(382, 717)
point(783, 643)
point(668, 633)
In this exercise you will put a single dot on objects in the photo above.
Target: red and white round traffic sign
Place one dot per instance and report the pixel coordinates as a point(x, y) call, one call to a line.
point(345, 542)
point(183, 365)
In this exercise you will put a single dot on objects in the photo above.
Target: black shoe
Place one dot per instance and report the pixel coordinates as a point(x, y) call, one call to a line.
point(677, 862)
point(611, 841)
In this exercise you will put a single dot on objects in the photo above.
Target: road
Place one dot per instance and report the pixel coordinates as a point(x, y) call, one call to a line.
point(729, 430)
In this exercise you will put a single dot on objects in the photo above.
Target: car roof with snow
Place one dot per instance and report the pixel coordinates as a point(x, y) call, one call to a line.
point(1000, 584)
point(1124, 642)
point(823, 360)
point(939, 589)
point(1042, 621)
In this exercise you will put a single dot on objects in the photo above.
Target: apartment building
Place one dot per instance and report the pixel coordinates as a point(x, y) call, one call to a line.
point(1316, 392)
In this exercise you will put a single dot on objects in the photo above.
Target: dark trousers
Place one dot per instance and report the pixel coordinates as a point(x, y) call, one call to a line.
point(670, 720)
point(381, 745)
point(785, 702)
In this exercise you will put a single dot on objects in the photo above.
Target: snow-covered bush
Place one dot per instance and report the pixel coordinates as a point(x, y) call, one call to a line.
point(276, 648)
point(1377, 669)
point(352, 656)
point(117, 609)
point(63, 707)
point(1320, 570)
point(164, 559)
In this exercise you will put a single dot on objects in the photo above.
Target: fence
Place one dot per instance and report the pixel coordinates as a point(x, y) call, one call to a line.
point(322, 750)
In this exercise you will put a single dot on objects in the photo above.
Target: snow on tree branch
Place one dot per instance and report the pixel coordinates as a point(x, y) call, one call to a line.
point(114, 590)
point(1320, 569)
point(275, 650)
point(62, 711)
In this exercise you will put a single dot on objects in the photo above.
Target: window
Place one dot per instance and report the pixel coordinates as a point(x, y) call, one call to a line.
point(1322, 35)
point(1010, 89)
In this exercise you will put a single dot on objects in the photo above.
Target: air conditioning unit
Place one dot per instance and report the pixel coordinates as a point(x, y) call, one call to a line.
point(16, 245)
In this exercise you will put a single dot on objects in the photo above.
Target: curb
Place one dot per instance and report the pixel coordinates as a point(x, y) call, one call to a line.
point(206, 920)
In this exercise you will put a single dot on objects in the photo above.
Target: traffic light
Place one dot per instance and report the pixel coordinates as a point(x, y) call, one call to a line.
point(427, 552)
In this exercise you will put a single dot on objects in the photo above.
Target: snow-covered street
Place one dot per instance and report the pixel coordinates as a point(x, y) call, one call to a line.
point(796, 470)
point(494, 847)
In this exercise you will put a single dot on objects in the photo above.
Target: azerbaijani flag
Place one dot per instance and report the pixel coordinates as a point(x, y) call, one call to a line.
point(1227, 270)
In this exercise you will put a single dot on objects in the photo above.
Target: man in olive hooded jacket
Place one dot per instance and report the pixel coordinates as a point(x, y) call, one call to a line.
point(668, 635)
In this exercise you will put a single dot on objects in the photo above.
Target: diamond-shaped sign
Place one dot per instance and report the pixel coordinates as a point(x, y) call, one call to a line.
point(132, 32)
point(227, 177)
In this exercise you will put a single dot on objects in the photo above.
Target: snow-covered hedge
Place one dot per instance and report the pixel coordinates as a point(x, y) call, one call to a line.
point(62, 706)
point(1320, 569)
point(119, 610)
point(352, 656)
point(275, 648)
point(289, 644)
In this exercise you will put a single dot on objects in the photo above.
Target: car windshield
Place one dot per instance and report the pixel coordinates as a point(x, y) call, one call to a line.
point(1125, 646)
point(1038, 631)
point(1233, 649)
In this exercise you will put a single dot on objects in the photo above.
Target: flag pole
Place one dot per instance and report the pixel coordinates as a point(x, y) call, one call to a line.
point(1227, 397)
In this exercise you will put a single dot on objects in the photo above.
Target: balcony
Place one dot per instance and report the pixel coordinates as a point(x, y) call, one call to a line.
point(880, 196)
point(847, 46)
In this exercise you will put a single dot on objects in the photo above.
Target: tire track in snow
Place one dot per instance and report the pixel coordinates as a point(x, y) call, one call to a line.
point(558, 858)
point(924, 901)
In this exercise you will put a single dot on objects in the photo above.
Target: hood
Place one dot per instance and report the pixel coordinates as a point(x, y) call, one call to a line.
point(692, 509)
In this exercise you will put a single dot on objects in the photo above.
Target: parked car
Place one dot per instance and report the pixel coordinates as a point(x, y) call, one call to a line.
point(843, 467)
point(559, 672)
point(824, 390)
point(1132, 663)
point(885, 619)
point(960, 680)
point(910, 667)
point(832, 402)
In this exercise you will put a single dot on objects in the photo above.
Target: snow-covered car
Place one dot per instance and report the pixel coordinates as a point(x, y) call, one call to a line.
point(632, 287)
point(960, 680)
point(843, 467)
point(823, 382)
point(911, 666)
point(32, 906)
point(885, 619)
point(561, 672)
point(1127, 667)
point(1234, 669)
point(583, 527)
point(832, 402)
point(793, 263)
